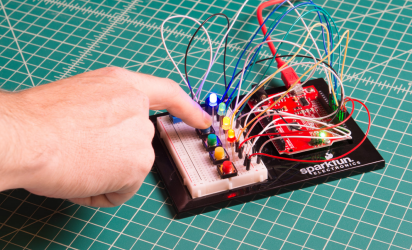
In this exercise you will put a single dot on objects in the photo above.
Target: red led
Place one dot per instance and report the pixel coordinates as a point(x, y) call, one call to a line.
point(231, 195)
point(231, 137)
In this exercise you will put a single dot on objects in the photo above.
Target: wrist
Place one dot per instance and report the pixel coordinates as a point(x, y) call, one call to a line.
point(17, 163)
point(8, 168)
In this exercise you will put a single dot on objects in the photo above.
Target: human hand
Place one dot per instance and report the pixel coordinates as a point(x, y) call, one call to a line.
point(88, 138)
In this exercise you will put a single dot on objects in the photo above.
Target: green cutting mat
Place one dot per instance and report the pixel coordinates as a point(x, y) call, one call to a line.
point(42, 41)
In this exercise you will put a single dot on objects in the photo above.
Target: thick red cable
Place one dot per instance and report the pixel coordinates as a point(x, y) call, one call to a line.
point(289, 76)
point(336, 158)
point(264, 29)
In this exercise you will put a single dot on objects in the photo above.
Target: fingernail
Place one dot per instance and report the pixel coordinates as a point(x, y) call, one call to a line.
point(207, 119)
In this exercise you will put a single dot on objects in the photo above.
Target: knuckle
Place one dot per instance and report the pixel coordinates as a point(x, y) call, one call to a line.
point(113, 71)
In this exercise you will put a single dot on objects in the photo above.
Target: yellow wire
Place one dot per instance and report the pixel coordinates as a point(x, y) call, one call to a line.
point(330, 78)
point(274, 103)
point(344, 58)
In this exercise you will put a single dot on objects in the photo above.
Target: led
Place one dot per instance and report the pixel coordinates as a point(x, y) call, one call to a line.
point(231, 133)
point(222, 109)
point(231, 136)
point(322, 134)
point(212, 100)
point(226, 123)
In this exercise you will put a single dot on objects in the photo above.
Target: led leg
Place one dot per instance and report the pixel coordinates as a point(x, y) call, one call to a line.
point(213, 115)
point(225, 140)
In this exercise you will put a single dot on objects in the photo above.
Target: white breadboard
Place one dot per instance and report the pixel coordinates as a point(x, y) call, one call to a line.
point(199, 174)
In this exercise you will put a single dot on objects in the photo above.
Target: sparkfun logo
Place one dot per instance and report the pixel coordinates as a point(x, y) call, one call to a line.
point(329, 166)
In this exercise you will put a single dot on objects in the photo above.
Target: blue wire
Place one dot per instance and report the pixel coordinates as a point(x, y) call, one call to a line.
point(270, 14)
point(330, 31)
point(247, 46)
point(317, 9)
point(324, 42)
point(265, 37)
point(254, 57)
point(258, 50)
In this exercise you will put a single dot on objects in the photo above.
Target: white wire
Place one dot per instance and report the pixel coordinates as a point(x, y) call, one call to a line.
point(314, 121)
point(170, 56)
point(199, 90)
point(256, 111)
point(294, 44)
point(313, 39)
point(246, 63)
point(274, 139)
point(345, 135)
point(316, 118)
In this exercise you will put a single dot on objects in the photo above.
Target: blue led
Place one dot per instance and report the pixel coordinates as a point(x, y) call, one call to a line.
point(213, 100)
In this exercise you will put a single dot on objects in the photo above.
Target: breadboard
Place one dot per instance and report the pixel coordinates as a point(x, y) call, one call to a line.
point(199, 174)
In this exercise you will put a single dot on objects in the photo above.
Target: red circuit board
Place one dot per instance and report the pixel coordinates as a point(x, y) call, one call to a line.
point(297, 105)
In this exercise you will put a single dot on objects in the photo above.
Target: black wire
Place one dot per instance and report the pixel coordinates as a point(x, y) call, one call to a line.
point(224, 55)
point(290, 128)
point(270, 58)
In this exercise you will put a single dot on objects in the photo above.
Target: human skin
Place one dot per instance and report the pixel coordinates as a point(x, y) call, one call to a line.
point(87, 138)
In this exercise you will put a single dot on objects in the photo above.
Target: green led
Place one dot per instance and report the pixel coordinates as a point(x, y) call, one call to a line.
point(211, 140)
point(222, 109)
point(322, 134)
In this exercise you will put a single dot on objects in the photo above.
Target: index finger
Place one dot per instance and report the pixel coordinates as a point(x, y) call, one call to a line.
point(166, 94)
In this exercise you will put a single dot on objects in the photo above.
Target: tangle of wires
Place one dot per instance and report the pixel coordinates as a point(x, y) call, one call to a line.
point(325, 61)
point(224, 53)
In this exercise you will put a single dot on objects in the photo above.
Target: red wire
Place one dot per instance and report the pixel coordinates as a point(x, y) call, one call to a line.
point(295, 132)
point(345, 154)
point(264, 29)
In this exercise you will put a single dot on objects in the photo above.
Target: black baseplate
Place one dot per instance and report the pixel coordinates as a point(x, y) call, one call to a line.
point(283, 176)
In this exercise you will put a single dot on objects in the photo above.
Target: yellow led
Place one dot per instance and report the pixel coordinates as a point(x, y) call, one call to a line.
point(226, 123)
point(219, 153)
